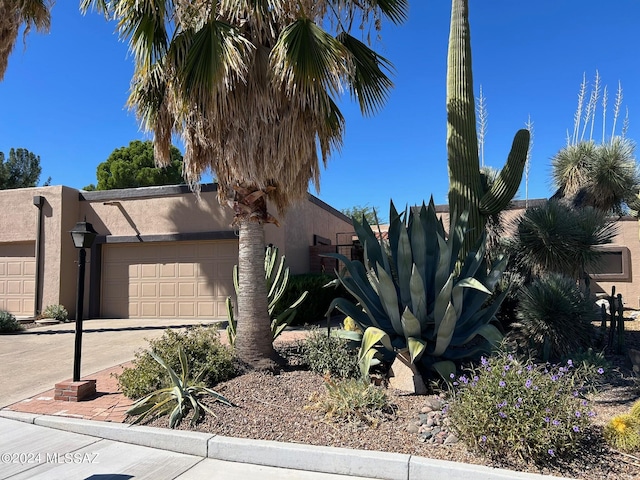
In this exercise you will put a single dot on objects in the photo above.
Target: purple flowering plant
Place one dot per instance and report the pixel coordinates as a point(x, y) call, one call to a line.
point(527, 413)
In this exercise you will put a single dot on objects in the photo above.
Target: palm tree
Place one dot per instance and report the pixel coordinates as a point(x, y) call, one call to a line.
point(250, 85)
point(603, 176)
point(13, 15)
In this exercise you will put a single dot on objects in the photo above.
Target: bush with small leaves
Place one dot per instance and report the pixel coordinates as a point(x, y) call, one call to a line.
point(8, 322)
point(56, 312)
point(330, 355)
point(201, 346)
point(623, 433)
point(513, 409)
point(352, 400)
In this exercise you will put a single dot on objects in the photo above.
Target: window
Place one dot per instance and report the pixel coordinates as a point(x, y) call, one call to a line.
point(614, 265)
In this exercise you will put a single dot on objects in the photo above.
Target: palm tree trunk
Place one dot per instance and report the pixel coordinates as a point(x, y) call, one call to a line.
point(253, 340)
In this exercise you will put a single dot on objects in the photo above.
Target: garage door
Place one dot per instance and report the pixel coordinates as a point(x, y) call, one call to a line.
point(168, 280)
point(17, 278)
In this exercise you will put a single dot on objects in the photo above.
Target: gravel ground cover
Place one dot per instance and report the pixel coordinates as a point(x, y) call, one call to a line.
point(280, 407)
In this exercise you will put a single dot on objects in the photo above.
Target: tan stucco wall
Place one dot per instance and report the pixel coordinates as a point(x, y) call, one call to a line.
point(157, 215)
point(18, 222)
point(302, 222)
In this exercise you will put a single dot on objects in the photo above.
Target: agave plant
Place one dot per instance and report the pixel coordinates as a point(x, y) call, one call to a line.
point(277, 280)
point(178, 399)
point(416, 297)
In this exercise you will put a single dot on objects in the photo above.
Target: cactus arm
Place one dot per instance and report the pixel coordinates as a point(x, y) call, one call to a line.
point(507, 183)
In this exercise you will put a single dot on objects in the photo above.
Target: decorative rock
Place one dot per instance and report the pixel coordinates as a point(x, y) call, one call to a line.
point(426, 409)
point(412, 428)
point(435, 403)
point(422, 419)
point(451, 439)
point(404, 376)
point(634, 356)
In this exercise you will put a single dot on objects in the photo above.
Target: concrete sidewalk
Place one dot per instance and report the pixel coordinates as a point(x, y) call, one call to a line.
point(45, 447)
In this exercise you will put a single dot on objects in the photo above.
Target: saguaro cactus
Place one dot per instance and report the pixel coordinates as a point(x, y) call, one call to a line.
point(466, 191)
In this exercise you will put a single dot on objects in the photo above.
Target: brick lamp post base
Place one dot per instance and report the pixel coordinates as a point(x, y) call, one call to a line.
point(70, 391)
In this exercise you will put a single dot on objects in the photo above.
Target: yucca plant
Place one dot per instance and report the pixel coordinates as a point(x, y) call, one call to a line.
point(178, 399)
point(415, 296)
point(554, 319)
point(277, 280)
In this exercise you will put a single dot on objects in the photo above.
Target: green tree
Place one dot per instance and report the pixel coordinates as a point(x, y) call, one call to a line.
point(366, 211)
point(134, 166)
point(252, 86)
point(15, 14)
point(22, 169)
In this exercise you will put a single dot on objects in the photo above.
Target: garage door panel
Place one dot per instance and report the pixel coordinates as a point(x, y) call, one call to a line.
point(168, 290)
point(17, 278)
point(168, 270)
point(149, 309)
point(187, 270)
point(178, 282)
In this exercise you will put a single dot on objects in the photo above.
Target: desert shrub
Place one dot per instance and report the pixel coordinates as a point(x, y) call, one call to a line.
point(352, 400)
point(208, 358)
point(8, 322)
point(330, 355)
point(554, 319)
point(623, 433)
point(314, 308)
point(510, 407)
point(56, 312)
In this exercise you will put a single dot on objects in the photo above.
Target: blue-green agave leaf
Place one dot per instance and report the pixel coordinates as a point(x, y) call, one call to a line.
point(418, 298)
point(445, 369)
point(389, 298)
point(445, 331)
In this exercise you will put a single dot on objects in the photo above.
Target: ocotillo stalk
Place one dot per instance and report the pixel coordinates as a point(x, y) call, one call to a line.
point(465, 185)
point(620, 348)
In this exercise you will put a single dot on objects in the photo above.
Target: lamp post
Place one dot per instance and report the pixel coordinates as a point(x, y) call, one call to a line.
point(83, 236)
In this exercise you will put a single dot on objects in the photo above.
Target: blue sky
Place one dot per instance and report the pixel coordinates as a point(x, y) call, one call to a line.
point(63, 97)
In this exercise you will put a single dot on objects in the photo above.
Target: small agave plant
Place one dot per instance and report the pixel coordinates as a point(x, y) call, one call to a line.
point(178, 399)
point(416, 297)
point(277, 280)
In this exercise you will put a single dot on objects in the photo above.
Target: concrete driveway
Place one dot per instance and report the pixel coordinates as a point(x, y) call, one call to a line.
point(34, 360)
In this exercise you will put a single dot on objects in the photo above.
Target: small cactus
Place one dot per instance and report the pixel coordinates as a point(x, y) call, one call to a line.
point(622, 433)
point(635, 410)
point(350, 325)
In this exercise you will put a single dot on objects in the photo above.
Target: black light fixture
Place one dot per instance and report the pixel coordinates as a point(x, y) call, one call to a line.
point(83, 236)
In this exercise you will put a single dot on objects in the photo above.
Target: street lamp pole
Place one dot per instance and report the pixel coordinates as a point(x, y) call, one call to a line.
point(77, 353)
point(83, 235)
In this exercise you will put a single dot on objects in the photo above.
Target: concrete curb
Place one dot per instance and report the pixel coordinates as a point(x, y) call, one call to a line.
point(332, 460)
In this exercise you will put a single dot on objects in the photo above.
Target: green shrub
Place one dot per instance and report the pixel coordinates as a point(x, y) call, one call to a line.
point(314, 308)
point(352, 400)
point(57, 312)
point(554, 320)
point(8, 322)
point(330, 355)
point(508, 407)
point(208, 358)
